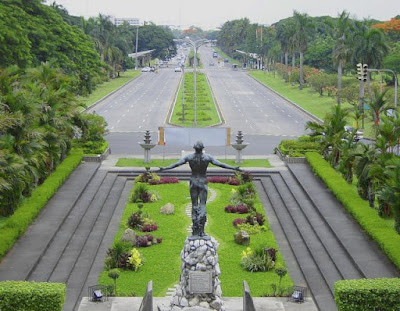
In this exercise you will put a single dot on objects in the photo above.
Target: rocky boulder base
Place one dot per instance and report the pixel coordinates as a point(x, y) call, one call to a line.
point(198, 255)
point(167, 209)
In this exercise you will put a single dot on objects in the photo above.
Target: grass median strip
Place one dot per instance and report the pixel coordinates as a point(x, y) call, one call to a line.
point(206, 111)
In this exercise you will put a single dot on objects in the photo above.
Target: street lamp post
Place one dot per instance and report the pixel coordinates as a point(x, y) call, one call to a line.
point(195, 45)
point(183, 94)
point(137, 38)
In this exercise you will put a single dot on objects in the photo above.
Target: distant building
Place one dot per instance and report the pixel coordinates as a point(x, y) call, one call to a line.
point(120, 20)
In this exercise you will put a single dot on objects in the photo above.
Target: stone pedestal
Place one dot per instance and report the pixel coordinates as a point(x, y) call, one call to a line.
point(199, 287)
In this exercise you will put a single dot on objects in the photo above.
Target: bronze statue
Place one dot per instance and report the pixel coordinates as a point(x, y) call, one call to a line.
point(198, 163)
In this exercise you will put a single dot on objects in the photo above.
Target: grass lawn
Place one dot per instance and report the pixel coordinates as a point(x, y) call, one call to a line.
point(206, 111)
point(108, 87)
point(124, 162)
point(162, 261)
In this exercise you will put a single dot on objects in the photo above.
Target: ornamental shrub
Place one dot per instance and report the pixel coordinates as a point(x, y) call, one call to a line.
point(256, 260)
point(238, 221)
point(368, 294)
point(32, 296)
point(17, 223)
point(135, 259)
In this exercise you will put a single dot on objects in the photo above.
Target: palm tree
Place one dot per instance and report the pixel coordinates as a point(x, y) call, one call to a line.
point(391, 191)
point(343, 49)
point(370, 46)
point(332, 132)
point(304, 30)
point(366, 158)
point(378, 105)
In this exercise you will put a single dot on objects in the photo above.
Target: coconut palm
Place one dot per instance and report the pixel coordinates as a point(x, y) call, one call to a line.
point(343, 50)
point(304, 31)
point(370, 46)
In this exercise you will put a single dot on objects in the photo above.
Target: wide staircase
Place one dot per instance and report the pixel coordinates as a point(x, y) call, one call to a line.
point(326, 242)
point(69, 239)
point(72, 234)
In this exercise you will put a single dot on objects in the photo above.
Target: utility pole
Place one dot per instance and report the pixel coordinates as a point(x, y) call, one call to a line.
point(137, 39)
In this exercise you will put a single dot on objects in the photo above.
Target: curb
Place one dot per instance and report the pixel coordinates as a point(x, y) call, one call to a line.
point(315, 118)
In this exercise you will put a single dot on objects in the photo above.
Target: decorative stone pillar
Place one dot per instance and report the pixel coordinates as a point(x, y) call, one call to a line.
point(147, 146)
point(239, 146)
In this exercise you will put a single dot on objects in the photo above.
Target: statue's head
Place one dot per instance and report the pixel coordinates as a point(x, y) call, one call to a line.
point(198, 146)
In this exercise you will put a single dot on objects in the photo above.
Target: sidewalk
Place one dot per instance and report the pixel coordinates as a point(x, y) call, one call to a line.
point(231, 304)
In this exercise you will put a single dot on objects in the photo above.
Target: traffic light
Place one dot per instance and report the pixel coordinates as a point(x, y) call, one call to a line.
point(365, 72)
point(360, 71)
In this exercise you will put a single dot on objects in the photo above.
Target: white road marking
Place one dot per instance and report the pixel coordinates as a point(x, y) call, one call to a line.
point(124, 115)
point(118, 121)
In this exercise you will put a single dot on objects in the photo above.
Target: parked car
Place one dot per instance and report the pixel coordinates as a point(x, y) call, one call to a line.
point(178, 69)
point(146, 69)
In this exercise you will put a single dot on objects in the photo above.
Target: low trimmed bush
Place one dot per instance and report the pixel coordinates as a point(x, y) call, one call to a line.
point(32, 296)
point(368, 218)
point(16, 224)
point(297, 148)
point(368, 294)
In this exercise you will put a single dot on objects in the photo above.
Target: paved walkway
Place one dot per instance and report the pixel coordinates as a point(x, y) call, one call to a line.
point(320, 242)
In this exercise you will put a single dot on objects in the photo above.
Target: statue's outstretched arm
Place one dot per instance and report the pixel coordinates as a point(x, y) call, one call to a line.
point(223, 165)
point(179, 163)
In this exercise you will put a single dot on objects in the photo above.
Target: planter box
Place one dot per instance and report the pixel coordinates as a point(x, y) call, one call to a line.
point(98, 158)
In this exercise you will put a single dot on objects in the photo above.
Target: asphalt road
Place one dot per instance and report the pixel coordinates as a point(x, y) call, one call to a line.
point(263, 117)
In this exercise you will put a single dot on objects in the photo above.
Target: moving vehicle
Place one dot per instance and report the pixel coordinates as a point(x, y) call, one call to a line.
point(178, 69)
point(215, 54)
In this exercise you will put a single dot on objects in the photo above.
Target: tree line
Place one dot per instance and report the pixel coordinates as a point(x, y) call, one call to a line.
point(326, 43)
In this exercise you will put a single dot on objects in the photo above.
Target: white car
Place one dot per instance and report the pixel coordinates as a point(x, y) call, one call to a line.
point(178, 69)
point(146, 69)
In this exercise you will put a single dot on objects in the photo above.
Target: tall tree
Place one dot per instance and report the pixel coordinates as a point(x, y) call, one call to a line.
point(304, 31)
point(343, 50)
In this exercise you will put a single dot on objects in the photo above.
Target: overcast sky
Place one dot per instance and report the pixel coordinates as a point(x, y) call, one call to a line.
point(213, 13)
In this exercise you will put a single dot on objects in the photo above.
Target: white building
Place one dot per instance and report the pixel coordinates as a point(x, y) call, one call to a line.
point(130, 20)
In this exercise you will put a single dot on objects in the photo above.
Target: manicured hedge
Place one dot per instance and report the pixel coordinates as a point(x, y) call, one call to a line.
point(17, 223)
point(368, 294)
point(295, 148)
point(31, 296)
point(387, 238)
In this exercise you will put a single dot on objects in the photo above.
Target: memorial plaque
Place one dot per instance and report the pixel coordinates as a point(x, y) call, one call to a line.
point(200, 282)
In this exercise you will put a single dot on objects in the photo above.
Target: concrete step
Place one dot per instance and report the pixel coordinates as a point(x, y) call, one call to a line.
point(66, 232)
point(98, 264)
point(76, 244)
point(89, 251)
point(39, 235)
point(364, 252)
point(337, 252)
point(303, 250)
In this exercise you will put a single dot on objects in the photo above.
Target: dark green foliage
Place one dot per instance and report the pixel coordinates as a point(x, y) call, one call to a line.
point(297, 148)
point(368, 294)
point(32, 296)
point(17, 223)
point(34, 33)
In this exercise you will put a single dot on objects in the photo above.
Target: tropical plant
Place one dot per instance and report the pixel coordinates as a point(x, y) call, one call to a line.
point(390, 192)
point(114, 275)
point(343, 49)
point(257, 260)
point(331, 132)
point(304, 31)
